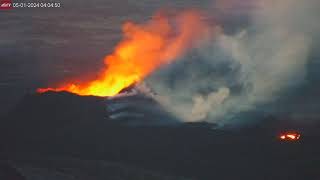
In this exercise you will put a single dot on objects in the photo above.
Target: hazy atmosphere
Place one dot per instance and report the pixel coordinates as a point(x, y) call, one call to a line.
point(160, 90)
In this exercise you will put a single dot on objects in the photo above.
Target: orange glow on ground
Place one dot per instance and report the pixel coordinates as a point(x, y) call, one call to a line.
point(143, 49)
point(290, 136)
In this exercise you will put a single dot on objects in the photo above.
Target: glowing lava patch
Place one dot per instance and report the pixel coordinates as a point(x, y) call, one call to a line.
point(289, 136)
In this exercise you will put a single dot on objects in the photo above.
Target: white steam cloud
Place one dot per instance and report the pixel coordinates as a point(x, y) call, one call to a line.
point(203, 105)
point(229, 74)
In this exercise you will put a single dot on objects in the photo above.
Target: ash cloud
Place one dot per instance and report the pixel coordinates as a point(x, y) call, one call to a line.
point(233, 73)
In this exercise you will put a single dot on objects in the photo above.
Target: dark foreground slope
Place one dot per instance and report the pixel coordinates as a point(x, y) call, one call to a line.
point(68, 135)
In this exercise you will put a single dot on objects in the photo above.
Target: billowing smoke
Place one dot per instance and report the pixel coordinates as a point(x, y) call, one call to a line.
point(237, 72)
point(204, 104)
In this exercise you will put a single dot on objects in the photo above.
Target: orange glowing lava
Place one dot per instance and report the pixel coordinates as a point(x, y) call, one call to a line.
point(290, 136)
point(144, 48)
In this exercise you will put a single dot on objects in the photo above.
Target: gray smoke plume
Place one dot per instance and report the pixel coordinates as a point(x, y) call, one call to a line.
point(235, 73)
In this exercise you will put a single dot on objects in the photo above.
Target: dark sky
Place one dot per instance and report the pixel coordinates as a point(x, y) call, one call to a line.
point(39, 47)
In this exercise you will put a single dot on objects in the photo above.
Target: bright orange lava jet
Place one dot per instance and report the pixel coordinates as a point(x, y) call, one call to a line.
point(289, 136)
point(144, 48)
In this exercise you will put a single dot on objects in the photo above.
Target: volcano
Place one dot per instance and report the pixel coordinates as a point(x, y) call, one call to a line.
point(51, 111)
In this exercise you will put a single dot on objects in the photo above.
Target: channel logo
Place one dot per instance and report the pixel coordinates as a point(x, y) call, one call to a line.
point(5, 4)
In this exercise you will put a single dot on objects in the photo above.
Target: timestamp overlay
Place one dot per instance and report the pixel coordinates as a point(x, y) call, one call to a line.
point(36, 5)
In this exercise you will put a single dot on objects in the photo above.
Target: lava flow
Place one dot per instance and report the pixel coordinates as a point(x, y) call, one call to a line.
point(290, 136)
point(144, 48)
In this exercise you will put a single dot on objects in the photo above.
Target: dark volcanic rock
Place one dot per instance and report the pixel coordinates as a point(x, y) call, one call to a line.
point(8, 172)
point(66, 125)
point(58, 113)
point(71, 169)
point(42, 115)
